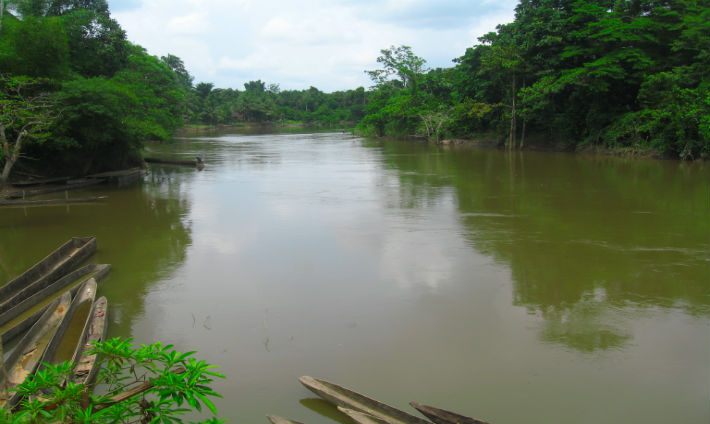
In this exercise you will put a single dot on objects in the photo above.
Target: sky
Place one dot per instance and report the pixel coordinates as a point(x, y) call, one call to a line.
point(297, 44)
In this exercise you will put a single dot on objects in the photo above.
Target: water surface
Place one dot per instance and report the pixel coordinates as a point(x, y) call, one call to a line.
point(513, 287)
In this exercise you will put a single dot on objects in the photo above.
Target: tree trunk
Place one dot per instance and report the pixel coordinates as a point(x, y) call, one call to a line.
point(12, 153)
point(522, 136)
point(511, 140)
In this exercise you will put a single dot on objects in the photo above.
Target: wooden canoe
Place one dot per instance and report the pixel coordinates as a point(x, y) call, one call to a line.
point(71, 185)
point(51, 202)
point(58, 263)
point(275, 419)
point(70, 332)
point(85, 369)
point(18, 319)
point(346, 398)
point(23, 361)
point(361, 417)
point(120, 177)
point(197, 163)
point(442, 416)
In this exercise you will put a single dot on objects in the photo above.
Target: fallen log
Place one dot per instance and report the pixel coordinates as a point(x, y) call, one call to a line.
point(50, 201)
point(197, 163)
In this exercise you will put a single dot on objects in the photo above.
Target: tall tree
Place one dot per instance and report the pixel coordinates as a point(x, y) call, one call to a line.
point(400, 62)
point(28, 111)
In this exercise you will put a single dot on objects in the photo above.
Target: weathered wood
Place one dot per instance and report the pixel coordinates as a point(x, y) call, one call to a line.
point(43, 202)
point(361, 417)
point(197, 163)
point(23, 361)
point(85, 369)
point(86, 294)
point(340, 396)
point(28, 183)
point(22, 194)
point(46, 271)
point(275, 419)
point(71, 282)
point(121, 177)
point(442, 416)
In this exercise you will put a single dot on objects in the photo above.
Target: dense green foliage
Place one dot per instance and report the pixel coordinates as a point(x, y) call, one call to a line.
point(617, 73)
point(259, 104)
point(108, 95)
point(172, 384)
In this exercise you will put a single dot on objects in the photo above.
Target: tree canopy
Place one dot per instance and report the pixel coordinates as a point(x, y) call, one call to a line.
point(615, 73)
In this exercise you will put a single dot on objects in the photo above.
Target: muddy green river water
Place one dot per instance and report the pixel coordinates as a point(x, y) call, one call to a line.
point(517, 287)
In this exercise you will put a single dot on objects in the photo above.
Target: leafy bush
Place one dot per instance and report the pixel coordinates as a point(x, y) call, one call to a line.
point(148, 384)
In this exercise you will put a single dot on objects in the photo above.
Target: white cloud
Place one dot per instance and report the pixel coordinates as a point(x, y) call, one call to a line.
point(327, 44)
point(196, 24)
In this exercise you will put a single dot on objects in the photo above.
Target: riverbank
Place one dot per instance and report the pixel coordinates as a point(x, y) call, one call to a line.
point(539, 144)
point(262, 127)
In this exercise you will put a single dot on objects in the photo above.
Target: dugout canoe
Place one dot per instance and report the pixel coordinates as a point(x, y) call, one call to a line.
point(442, 416)
point(361, 417)
point(70, 332)
point(275, 419)
point(50, 202)
point(20, 318)
point(71, 185)
point(197, 163)
point(346, 398)
point(85, 369)
point(24, 360)
point(18, 304)
point(58, 263)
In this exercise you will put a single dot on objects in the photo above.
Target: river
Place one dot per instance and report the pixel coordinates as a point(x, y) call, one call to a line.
point(529, 287)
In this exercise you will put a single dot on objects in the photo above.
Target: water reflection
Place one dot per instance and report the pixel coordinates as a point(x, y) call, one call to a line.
point(141, 230)
point(583, 236)
point(325, 409)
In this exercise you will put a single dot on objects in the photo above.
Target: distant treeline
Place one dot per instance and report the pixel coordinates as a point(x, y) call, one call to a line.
point(77, 96)
point(259, 103)
point(614, 73)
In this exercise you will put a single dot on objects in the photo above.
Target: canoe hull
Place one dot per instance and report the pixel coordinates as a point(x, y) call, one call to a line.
point(442, 416)
point(87, 293)
point(46, 271)
point(98, 272)
point(275, 419)
point(85, 369)
point(25, 359)
point(346, 398)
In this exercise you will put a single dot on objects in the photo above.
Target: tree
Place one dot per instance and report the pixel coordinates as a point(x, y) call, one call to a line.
point(258, 86)
point(44, 8)
point(27, 114)
point(97, 44)
point(203, 89)
point(151, 383)
point(399, 61)
point(175, 63)
point(36, 47)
